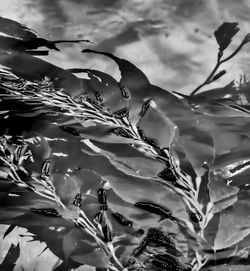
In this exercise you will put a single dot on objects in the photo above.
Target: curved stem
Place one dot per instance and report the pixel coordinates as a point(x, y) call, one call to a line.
point(233, 54)
point(219, 62)
point(207, 81)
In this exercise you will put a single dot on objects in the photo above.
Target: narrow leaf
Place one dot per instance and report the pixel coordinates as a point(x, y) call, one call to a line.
point(15, 29)
point(134, 84)
point(9, 230)
point(225, 33)
point(218, 75)
point(246, 39)
point(9, 262)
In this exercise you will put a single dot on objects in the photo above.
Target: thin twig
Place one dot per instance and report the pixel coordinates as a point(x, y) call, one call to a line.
point(219, 62)
point(207, 81)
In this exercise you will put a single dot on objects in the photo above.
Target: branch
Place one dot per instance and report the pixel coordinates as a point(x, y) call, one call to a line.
point(219, 62)
point(211, 75)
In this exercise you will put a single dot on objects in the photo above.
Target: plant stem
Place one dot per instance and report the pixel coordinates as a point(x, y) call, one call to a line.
point(207, 81)
point(233, 54)
point(219, 62)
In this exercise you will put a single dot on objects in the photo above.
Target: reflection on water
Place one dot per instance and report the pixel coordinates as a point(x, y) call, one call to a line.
point(172, 41)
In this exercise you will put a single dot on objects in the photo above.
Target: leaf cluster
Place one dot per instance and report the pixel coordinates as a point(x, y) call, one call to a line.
point(122, 174)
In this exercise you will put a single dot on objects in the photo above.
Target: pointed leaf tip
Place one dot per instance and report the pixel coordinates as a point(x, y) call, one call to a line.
point(246, 39)
point(9, 262)
point(225, 33)
point(9, 230)
point(219, 75)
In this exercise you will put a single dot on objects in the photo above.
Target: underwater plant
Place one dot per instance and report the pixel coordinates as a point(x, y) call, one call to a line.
point(122, 175)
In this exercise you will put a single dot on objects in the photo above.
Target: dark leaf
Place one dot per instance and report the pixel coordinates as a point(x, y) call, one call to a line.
point(20, 38)
point(157, 236)
point(69, 243)
point(203, 196)
point(133, 80)
point(140, 90)
point(28, 46)
point(50, 212)
point(9, 230)
point(37, 52)
point(36, 43)
point(218, 93)
point(211, 230)
point(15, 29)
point(246, 39)
point(120, 131)
point(97, 258)
point(220, 108)
point(9, 262)
point(218, 75)
point(106, 233)
point(168, 262)
point(39, 42)
point(155, 209)
point(122, 220)
point(131, 77)
point(102, 195)
point(70, 130)
point(195, 217)
point(225, 33)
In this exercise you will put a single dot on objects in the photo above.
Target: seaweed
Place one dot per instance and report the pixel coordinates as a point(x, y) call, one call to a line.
point(126, 175)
